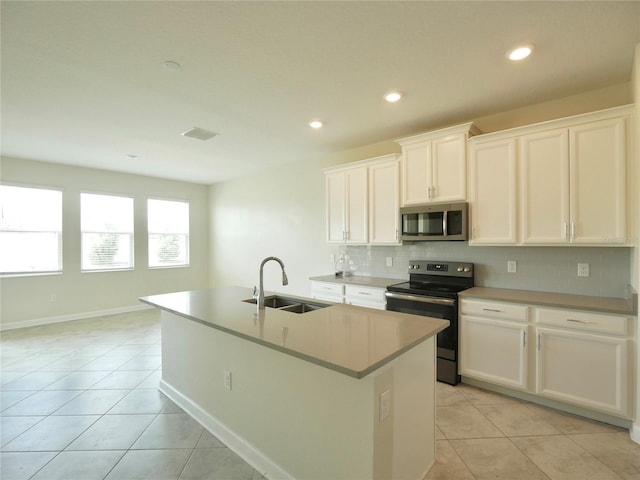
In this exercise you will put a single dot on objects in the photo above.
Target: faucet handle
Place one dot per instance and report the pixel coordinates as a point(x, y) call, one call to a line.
point(255, 292)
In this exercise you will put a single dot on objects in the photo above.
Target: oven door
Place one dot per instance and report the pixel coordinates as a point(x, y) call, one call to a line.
point(426, 306)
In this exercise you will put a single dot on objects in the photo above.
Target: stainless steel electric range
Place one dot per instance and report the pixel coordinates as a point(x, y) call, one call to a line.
point(432, 291)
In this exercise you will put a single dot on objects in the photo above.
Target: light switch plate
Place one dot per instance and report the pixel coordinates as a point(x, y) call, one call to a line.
point(512, 266)
point(389, 261)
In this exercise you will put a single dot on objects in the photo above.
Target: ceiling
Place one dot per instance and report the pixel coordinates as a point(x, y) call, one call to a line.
point(85, 83)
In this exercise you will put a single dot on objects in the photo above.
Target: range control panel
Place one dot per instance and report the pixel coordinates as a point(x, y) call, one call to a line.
point(450, 269)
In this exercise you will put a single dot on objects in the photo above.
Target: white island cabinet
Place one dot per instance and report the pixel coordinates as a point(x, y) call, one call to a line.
point(342, 392)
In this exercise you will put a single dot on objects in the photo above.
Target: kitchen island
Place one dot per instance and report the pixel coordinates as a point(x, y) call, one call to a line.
point(341, 392)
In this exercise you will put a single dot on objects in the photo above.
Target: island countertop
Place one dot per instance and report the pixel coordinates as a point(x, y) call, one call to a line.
point(351, 340)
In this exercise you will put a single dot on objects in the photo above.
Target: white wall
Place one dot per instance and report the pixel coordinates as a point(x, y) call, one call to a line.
point(27, 299)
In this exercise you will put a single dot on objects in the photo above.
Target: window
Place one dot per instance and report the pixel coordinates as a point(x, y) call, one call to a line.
point(168, 233)
point(107, 232)
point(30, 230)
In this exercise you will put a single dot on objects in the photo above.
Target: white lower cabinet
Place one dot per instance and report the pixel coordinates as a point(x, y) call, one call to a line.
point(327, 291)
point(370, 297)
point(493, 343)
point(587, 363)
point(579, 358)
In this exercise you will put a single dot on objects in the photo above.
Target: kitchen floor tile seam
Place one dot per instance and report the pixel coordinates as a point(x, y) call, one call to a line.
point(612, 467)
point(459, 457)
point(108, 449)
point(497, 475)
point(584, 451)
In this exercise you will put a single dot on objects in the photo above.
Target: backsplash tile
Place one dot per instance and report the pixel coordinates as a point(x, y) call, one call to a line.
point(552, 269)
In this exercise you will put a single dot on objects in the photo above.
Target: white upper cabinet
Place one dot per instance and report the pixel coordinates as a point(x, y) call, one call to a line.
point(384, 203)
point(540, 185)
point(347, 215)
point(544, 187)
point(492, 192)
point(434, 165)
point(362, 202)
point(598, 174)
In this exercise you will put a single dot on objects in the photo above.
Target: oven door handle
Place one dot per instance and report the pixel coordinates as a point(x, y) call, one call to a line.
point(420, 298)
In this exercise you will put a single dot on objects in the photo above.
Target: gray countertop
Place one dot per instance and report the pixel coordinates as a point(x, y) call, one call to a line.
point(619, 306)
point(359, 280)
point(351, 340)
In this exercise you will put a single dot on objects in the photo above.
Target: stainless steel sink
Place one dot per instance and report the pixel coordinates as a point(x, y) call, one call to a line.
point(288, 304)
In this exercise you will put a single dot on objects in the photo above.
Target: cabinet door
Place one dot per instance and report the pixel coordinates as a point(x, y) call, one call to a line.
point(384, 203)
point(416, 173)
point(544, 187)
point(357, 221)
point(583, 369)
point(494, 351)
point(448, 166)
point(336, 207)
point(598, 182)
point(492, 202)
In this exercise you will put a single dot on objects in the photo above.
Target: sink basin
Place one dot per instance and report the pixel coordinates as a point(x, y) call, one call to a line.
point(303, 307)
point(288, 304)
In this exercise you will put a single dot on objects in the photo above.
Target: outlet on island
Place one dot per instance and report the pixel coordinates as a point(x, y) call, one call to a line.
point(227, 379)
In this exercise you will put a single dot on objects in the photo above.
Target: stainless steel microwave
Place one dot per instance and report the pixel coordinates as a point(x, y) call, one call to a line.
point(434, 221)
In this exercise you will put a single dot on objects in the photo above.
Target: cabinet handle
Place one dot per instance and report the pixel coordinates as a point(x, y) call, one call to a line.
point(573, 230)
point(538, 342)
point(429, 193)
point(575, 320)
point(492, 310)
point(363, 293)
point(524, 338)
point(396, 234)
point(565, 230)
point(433, 192)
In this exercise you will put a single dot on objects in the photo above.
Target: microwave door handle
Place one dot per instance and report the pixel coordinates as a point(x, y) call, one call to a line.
point(444, 223)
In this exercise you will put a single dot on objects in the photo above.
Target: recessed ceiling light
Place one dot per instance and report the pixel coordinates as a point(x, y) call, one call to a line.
point(520, 53)
point(316, 124)
point(132, 156)
point(199, 133)
point(392, 97)
point(171, 65)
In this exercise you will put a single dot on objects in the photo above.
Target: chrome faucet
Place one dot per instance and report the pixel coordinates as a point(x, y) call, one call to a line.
point(285, 281)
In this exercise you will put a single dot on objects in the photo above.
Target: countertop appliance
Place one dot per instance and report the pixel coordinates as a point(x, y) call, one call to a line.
point(432, 291)
point(434, 221)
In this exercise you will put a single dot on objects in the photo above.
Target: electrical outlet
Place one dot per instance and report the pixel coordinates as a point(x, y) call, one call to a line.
point(389, 261)
point(583, 269)
point(512, 266)
point(53, 297)
point(332, 258)
point(227, 379)
point(385, 404)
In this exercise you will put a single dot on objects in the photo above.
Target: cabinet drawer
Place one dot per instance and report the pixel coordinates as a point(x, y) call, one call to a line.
point(366, 294)
point(495, 310)
point(594, 322)
point(327, 289)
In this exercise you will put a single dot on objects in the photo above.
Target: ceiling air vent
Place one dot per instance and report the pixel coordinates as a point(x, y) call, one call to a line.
point(199, 133)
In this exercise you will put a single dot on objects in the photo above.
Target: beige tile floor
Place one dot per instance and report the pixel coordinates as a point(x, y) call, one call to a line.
point(482, 435)
point(79, 400)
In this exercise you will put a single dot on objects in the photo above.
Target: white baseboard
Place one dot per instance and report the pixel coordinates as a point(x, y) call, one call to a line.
point(254, 457)
point(635, 431)
point(72, 316)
